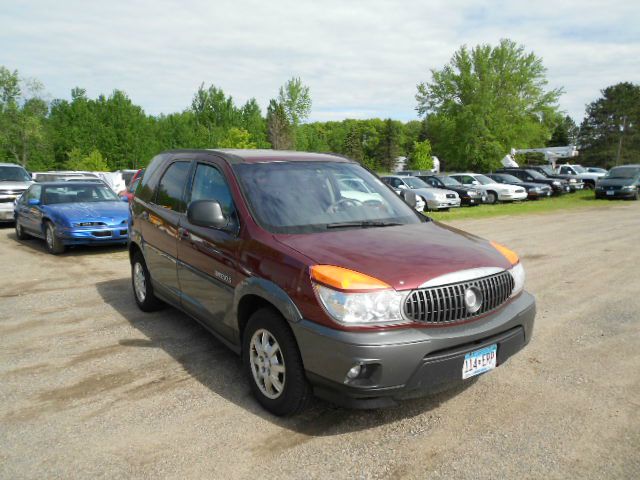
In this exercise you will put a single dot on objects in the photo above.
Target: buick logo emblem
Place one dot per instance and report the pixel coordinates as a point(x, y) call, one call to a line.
point(473, 299)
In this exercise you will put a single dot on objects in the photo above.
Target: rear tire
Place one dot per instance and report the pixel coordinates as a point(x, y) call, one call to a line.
point(273, 364)
point(142, 286)
point(53, 243)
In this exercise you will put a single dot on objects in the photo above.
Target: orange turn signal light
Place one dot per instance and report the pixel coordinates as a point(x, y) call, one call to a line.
point(345, 279)
point(507, 253)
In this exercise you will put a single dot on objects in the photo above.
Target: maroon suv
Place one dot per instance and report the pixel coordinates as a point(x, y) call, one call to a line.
point(321, 277)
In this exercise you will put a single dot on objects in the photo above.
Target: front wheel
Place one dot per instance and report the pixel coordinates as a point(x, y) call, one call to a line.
point(273, 364)
point(20, 233)
point(54, 245)
point(492, 198)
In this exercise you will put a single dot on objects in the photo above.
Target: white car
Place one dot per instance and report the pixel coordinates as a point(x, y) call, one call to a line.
point(357, 189)
point(589, 178)
point(435, 198)
point(14, 180)
point(496, 192)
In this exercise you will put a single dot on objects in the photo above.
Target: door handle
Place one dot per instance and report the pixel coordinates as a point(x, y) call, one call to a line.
point(183, 233)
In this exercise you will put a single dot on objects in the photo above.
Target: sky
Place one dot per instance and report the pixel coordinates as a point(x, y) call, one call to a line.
point(360, 59)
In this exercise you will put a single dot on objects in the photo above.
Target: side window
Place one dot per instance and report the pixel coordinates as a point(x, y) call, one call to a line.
point(32, 194)
point(171, 187)
point(396, 182)
point(210, 184)
point(466, 179)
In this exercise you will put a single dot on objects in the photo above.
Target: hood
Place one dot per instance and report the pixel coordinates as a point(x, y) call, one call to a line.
point(11, 185)
point(622, 182)
point(108, 212)
point(403, 256)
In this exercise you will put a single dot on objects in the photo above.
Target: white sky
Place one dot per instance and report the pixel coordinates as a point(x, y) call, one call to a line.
point(361, 59)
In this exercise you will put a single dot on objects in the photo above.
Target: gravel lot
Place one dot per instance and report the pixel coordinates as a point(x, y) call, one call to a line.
point(91, 387)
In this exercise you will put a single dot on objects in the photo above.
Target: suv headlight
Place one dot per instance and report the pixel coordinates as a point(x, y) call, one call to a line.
point(556, 183)
point(357, 299)
point(516, 270)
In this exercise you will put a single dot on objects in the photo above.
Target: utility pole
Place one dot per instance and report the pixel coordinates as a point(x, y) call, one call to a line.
point(622, 128)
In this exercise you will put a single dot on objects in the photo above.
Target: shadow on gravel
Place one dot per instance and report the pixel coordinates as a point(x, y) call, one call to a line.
point(213, 365)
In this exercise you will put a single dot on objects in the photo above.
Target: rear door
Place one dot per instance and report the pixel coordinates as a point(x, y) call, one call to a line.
point(163, 215)
point(207, 256)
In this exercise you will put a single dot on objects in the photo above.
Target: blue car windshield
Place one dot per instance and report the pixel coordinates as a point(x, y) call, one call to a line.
point(78, 193)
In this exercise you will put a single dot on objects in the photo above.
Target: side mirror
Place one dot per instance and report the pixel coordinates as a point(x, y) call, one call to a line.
point(402, 187)
point(206, 213)
point(409, 197)
point(33, 202)
point(124, 198)
point(475, 182)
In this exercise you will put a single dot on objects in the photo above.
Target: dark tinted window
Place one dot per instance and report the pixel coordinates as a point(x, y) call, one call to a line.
point(150, 178)
point(171, 187)
point(78, 193)
point(210, 184)
point(14, 174)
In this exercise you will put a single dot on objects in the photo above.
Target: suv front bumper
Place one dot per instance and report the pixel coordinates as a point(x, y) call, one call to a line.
point(403, 362)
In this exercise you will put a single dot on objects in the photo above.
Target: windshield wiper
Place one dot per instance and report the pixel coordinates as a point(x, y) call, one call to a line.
point(362, 224)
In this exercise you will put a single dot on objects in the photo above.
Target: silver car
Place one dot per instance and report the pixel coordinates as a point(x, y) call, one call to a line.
point(14, 180)
point(435, 198)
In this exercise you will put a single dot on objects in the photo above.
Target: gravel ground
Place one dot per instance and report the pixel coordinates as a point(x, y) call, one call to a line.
point(91, 387)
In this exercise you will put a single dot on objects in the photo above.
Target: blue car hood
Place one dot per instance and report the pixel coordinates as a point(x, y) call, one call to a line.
point(108, 212)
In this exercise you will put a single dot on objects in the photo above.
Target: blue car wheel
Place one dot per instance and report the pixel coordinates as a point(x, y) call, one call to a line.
point(54, 245)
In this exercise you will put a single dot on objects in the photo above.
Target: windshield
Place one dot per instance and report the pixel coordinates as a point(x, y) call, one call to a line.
point(452, 182)
point(14, 174)
point(623, 172)
point(304, 197)
point(415, 182)
point(546, 169)
point(579, 169)
point(509, 178)
point(536, 175)
point(87, 192)
point(483, 180)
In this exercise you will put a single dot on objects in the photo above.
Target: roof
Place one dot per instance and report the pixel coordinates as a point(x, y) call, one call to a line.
point(71, 183)
point(262, 156)
point(11, 165)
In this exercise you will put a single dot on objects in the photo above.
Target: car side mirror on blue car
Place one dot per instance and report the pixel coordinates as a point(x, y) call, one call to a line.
point(33, 202)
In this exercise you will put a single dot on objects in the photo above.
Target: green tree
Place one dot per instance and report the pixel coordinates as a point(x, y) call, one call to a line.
point(23, 113)
point(237, 138)
point(389, 145)
point(610, 131)
point(485, 101)
point(254, 123)
point(295, 98)
point(92, 162)
point(421, 159)
point(279, 128)
point(565, 133)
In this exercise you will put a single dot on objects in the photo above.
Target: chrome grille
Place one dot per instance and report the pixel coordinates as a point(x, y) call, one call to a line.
point(445, 304)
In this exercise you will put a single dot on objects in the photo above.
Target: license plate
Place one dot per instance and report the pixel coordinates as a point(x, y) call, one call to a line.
point(479, 361)
point(610, 192)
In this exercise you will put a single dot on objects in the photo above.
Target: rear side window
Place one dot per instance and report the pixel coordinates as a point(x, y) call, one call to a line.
point(171, 187)
point(150, 178)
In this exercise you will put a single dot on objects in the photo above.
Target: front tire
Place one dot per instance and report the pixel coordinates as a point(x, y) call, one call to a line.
point(273, 364)
point(20, 233)
point(53, 243)
point(492, 198)
point(142, 286)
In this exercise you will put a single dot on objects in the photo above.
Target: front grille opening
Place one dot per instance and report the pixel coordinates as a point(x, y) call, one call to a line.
point(101, 233)
point(445, 304)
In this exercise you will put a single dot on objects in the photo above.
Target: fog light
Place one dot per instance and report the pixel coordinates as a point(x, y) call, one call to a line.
point(354, 372)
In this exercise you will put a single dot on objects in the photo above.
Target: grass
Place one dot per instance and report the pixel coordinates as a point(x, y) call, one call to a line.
point(568, 201)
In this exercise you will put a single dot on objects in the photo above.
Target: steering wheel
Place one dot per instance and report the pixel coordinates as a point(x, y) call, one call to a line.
point(343, 204)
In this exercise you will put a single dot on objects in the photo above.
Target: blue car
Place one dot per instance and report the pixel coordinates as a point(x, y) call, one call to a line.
point(72, 213)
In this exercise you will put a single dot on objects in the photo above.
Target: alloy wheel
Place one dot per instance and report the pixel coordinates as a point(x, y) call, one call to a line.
point(267, 364)
point(139, 282)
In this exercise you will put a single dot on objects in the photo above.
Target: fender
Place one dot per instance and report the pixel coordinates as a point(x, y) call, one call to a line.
point(268, 291)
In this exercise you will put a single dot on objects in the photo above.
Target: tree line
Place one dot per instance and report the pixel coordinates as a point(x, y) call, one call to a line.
point(485, 101)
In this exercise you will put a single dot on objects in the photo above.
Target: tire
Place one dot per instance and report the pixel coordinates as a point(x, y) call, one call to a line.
point(492, 198)
point(52, 242)
point(142, 286)
point(290, 391)
point(589, 185)
point(20, 233)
